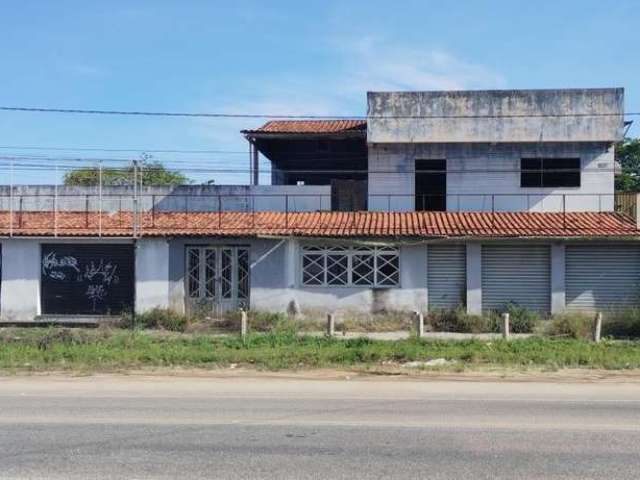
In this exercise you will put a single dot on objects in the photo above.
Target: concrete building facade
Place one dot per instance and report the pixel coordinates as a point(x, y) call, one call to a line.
point(520, 208)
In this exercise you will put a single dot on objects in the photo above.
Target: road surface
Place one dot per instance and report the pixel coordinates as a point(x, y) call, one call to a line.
point(287, 428)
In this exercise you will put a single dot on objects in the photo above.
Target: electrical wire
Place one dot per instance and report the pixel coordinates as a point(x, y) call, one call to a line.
point(292, 117)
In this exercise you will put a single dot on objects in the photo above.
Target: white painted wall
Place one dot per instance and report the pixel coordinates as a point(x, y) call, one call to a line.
point(476, 173)
point(276, 283)
point(152, 274)
point(20, 288)
point(410, 295)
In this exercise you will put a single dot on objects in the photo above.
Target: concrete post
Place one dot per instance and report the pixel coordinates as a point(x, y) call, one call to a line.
point(419, 319)
point(505, 326)
point(597, 327)
point(474, 278)
point(331, 325)
point(244, 324)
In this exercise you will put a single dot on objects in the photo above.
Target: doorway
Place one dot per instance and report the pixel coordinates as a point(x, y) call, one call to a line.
point(431, 185)
point(217, 279)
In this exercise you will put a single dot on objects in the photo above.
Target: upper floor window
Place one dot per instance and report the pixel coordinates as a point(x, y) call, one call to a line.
point(324, 266)
point(550, 172)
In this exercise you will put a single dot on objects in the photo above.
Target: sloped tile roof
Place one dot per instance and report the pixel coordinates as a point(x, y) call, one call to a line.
point(321, 224)
point(310, 126)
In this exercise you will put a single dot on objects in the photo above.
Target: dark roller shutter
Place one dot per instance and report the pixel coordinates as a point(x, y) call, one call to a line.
point(87, 279)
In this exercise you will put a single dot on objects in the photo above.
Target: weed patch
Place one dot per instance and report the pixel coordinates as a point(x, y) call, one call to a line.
point(112, 350)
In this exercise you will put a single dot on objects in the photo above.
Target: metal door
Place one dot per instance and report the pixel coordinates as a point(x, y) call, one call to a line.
point(447, 276)
point(87, 279)
point(217, 279)
point(601, 277)
point(519, 274)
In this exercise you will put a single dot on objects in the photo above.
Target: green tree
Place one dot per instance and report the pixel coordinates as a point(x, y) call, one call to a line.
point(149, 174)
point(628, 157)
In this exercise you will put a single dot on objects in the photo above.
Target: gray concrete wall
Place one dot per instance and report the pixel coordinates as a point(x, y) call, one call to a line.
point(508, 116)
point(185, 198)
point(483, 176)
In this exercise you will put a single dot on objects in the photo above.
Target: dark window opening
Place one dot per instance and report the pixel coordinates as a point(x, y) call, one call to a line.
point(550, 172)
point(431, 185)
point(323, 145)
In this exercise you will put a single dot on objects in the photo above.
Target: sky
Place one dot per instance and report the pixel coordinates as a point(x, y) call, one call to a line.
point(277, 57)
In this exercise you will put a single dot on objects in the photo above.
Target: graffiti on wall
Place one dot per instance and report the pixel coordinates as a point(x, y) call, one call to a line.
point(89, 273)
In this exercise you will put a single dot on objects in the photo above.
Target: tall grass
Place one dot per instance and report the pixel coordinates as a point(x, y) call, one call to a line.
point(110, 350)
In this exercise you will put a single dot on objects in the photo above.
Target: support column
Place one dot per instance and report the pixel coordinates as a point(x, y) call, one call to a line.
point(291, 263)
point(152, 274)
point(474, 278)
point(255, 165)
point(558, 285)
point(20, 290)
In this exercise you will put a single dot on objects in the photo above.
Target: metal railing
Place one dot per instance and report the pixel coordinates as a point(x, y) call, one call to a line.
point(135, 214)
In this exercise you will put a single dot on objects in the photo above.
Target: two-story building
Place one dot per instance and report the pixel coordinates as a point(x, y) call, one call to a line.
point(436, 200)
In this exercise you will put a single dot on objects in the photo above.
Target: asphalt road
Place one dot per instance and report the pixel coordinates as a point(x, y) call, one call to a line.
point(164, 427)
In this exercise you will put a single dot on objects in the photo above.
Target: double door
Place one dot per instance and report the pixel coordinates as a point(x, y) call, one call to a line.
point(217, 279)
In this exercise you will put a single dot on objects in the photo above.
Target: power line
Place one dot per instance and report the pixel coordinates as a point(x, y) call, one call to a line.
point(124, 150)
point(293, 117)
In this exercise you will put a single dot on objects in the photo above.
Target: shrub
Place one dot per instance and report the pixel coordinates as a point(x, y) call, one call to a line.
point(572, 325)
point(267, 321)
point(158, 318)
point(521, 320)
point(458, 320)
point(622, 323)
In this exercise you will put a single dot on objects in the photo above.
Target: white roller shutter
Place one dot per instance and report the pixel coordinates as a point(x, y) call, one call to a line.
point(600, 277)
point(516, 273)
point(446, 276)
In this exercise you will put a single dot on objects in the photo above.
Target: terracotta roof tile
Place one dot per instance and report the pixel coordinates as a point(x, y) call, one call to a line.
point(310, 126)
point(321, 224)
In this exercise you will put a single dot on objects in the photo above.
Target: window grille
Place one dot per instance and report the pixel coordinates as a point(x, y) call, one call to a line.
point(328, 266)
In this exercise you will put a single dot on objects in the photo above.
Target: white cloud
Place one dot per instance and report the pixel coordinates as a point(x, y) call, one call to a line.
point(377, 65)
point(81, 69)
point(362, 64)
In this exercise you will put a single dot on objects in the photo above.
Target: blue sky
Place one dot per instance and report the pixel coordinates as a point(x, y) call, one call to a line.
point(281, 57)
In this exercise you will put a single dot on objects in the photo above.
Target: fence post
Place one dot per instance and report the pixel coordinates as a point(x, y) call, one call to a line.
point(331, 325)
point(505, 326)
point(597, 327)
point(100, 198)
point(419, 319)
point(11, 202)
point(286, 211)
point(153, 211)
point(244, 325)
point(493, 211)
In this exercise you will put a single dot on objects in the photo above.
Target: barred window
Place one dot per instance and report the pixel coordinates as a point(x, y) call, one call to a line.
point(324, 266)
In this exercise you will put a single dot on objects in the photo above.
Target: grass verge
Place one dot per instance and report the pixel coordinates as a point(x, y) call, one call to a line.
point(103, 350)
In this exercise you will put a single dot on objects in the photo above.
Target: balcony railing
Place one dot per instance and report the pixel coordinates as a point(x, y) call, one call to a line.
point(134, 214)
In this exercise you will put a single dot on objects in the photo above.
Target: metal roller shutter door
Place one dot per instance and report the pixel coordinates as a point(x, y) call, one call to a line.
point(516, 273)
point(446, 276)
point(87, 279)
point(602, 276)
